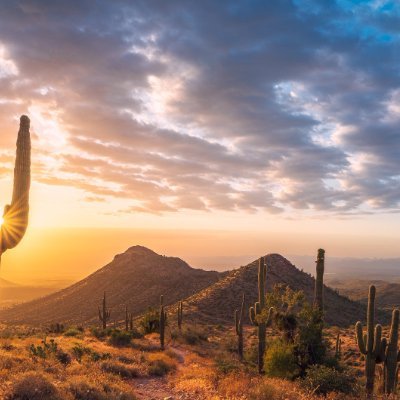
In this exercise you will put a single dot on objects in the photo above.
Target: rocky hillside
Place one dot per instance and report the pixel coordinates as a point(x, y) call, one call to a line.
point(218, 302)
point(135, 278)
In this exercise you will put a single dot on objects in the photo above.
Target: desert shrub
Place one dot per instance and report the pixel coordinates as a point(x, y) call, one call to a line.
point(72, 331)
point(119, 369)
point(7, 346)
point(63, 357)
point(120, 338)
point(160, 364)
point(322, 380)
point(44, 350)
point(193, 335)
point(56, 328)
point(32, 386)
point(280, 361)
point(226, 364)
point(149, 323)
point(79, 351)
point(100, 333)
point(83, 391)
point(96, 356)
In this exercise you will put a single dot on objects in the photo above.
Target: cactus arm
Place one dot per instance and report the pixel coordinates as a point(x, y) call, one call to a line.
point(376, 350)
point(252, 315)
point(392, 351)
point(319, 280)
point(370, 318)
point(16, 214)
point(360, 338)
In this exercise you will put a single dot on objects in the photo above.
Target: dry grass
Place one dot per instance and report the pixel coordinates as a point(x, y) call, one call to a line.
point(100, 371)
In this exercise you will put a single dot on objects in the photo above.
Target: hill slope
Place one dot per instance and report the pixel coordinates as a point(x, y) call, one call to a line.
point(218, 302)
point(135, 278)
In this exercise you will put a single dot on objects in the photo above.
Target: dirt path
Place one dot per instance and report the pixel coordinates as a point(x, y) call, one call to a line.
point(158, 388)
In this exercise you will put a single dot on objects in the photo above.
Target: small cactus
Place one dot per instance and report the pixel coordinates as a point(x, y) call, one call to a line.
point(392, 355)
point(255, 313)
point(319, 281)
point(338, 347)
point(104, 313)
point(126, 319)
point(162, 323)
point(371, 345)
point(239, 327)
point(15, 215)
point(180, 315)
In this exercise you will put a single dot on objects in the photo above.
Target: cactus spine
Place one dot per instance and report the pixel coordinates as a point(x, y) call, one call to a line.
point(371, 344)
point(255, 313)
point(16, 214)
point(239, 327)
point(392, 355)
point(319, 281)
point(104, 313)
point(163, 322)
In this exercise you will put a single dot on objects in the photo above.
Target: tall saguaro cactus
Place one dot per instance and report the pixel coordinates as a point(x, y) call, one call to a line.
point(163, 322)
point(371, 345)
point(239, 327)
point(15, 215)
point(104, 313)
point(180, 315)
point(392, 355)
point(255, 313)
point(319, 281)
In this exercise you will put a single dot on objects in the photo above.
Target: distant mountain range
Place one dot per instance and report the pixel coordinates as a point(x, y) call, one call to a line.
point(139, 276)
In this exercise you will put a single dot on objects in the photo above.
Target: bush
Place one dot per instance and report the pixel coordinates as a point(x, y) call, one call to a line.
point(149, 323)
point(160, 365)
point(83, 391)
point(119, 369)
point(120, 338)
point(44, 350)
point(73, 331)
point(194, 336)
point(32, 386)
point(226, 364)
point(63, 357)
point(279, 360)
point(322, 380)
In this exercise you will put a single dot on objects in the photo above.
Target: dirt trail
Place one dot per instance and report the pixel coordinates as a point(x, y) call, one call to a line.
point(157, 388)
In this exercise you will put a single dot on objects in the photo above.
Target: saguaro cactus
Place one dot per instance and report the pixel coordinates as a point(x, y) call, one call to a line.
point(180, 315)
point(104, 313)
point(163, 322)
point(371, 345)
point(255, 313)
point(239, 327)
point(392, 355)
point(319, 281)
point(126, 319)
point(15, 217)
point(338, 346)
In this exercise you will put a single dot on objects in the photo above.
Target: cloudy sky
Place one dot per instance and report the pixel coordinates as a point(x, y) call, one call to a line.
point(205, 114)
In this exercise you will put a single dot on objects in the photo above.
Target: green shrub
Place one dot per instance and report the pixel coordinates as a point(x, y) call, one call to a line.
point(79, 351)
point(44, 350)
point(72, 331)
point(226, 364)
point(160, 366)
point(119, 369)
point(149, 323)
point(83, 391)
point(321, 379)
point(63, 357)
point(280, 361)
point(32, 386)
point(120, 338)
point(194, 336)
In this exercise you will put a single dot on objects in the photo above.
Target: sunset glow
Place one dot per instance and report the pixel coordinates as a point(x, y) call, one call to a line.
point(165, 120)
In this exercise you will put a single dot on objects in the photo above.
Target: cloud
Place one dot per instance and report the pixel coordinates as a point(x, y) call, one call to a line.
point(174, 105)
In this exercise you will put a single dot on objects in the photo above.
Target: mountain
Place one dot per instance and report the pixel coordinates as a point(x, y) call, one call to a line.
point(135, 278)
point(139, 276)
point(218, 302)
point(387, 293)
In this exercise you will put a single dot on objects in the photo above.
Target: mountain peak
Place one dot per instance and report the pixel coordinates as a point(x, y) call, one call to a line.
point(140, 250)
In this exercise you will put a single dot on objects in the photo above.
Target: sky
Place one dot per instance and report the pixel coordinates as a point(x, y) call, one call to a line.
point(275, 119)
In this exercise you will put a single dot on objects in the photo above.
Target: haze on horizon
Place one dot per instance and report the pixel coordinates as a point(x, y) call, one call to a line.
point(201, 129)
